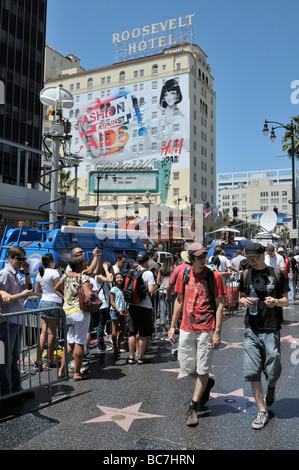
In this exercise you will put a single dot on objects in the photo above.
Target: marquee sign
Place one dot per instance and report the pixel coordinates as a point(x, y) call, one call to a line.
point(152, 38)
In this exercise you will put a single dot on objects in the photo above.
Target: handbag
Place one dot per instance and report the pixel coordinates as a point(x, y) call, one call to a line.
point(88, 305)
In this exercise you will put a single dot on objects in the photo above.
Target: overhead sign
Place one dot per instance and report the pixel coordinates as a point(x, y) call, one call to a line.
point(153, 37)
point(124, 182)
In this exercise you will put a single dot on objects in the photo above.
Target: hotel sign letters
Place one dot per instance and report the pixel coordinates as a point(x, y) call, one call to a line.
point(161, 35)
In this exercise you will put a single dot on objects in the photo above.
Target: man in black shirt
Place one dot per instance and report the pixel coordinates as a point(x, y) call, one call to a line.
point(262, 330)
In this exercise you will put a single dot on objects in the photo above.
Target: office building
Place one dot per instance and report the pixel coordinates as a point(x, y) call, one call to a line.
point(254, 192)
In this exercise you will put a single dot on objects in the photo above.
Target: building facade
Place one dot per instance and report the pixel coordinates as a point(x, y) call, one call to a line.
point(255, 192)
point(22, 48)
point(145, 129)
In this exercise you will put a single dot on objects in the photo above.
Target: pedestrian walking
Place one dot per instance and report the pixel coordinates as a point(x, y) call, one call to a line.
point(200, 299)
point(263, 320)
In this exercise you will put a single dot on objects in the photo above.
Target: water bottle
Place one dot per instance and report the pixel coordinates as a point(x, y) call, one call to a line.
point(253, 310)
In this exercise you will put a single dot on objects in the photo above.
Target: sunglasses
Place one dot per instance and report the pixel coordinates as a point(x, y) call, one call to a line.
point(21, 259)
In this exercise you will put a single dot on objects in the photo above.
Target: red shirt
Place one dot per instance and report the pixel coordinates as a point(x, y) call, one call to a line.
point(197, 308)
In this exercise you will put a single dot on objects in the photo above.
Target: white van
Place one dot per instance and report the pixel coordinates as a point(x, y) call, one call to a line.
point(162, 255)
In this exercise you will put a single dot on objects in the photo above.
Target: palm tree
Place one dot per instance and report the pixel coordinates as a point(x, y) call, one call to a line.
point(287, 139)
point(66, 183)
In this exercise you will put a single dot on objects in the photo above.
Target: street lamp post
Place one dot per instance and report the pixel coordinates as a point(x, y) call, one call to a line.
point(291, 128)
point(99, 178)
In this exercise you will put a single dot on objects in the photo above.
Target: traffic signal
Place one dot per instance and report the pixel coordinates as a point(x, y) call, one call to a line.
point(235, 211)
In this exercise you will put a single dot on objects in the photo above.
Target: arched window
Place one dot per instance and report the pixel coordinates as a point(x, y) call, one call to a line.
point(154, 69)
point(90, 83)
point(122, 76)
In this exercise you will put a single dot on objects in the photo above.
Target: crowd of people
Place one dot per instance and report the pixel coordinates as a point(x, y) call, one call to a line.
point(189, 289)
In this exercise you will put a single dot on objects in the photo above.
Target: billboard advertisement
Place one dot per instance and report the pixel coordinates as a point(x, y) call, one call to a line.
point(143, 120)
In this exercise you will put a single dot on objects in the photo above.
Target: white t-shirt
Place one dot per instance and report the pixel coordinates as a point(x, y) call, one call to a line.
point(104, 293)
point(47, 285)
point(275, 261)
point(148, 280)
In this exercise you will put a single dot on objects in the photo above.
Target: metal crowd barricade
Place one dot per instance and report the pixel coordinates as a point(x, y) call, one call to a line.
point(31, 378)
point(231, 302)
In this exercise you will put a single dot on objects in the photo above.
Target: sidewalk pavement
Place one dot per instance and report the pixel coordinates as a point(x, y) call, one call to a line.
point(126, 408)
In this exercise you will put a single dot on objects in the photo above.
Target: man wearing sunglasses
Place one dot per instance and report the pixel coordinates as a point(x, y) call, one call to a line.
point(262, 329)
point(200, 328)
point(11, 331)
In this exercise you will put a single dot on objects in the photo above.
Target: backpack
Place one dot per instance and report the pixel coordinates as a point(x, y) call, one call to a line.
point(209, 278)
point(134, 289)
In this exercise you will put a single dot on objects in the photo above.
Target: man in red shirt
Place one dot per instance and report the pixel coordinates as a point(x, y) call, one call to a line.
point(200, 328)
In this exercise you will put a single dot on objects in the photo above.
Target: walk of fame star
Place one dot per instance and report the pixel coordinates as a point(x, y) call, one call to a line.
point(236, 399)
point(124, 417)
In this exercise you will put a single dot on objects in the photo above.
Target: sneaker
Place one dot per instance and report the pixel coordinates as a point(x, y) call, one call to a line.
point(206, 393)
point(261, 420)
point(270, 397)
point(192, 419)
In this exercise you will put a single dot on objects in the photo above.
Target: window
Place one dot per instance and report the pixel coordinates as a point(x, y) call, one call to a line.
point(102, 80)
point(77, 86)
point(154, 69)
point(71, 86)
point(154, 85)
point(176, 175)
point(122, 76)
point(90, 83)
point(141, 73)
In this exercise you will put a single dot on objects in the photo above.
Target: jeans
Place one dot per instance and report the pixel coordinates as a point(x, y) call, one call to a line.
point(10, 336)
point(262, 354)
point(292, 287)
point(103, 317)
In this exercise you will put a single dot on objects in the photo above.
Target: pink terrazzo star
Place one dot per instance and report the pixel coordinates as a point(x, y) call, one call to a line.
point(124, 417)
point(177, 371)
point(226, 345)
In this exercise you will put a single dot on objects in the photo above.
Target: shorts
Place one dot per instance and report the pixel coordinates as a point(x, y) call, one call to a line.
point(140, 320)
point(114, 315)
point(262, 354)
point(195, 352)
point(78, 326)
point(50, 313)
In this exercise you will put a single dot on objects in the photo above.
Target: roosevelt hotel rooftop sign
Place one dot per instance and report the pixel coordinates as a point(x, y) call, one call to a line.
point(153, 38)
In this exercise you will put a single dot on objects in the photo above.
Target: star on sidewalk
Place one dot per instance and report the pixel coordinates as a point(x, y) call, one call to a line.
point(236, 399)
point(178, 371)
point(226, 345)
point(124, 417)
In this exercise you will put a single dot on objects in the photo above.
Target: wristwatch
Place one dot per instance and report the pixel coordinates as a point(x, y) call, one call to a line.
point(218, 330)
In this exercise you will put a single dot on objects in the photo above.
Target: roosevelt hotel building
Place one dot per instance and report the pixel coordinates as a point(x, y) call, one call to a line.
point(142, 147)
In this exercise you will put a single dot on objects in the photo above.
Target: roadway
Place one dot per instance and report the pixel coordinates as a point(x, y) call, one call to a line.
point(126, 408)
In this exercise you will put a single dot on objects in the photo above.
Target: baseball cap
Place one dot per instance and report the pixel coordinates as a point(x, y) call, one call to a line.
point(254, 249)
point(142, 256)
point(196, 249)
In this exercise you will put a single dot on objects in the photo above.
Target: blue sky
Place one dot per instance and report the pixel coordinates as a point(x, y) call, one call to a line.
point(252, 47)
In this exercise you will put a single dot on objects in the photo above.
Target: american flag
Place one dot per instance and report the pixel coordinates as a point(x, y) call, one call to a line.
point(207, 209)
